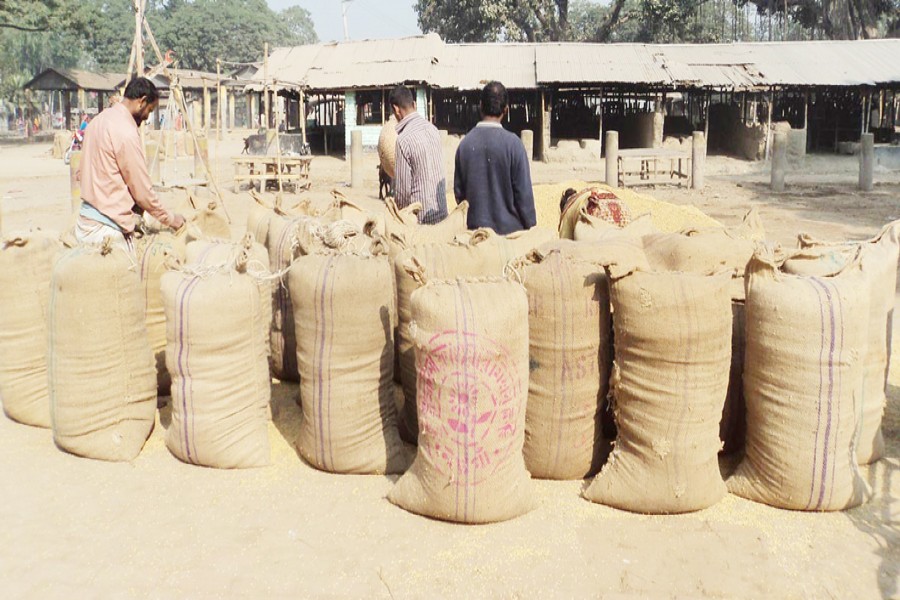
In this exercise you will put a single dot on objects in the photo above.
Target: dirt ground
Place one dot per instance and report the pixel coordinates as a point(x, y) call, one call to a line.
point(158, 528)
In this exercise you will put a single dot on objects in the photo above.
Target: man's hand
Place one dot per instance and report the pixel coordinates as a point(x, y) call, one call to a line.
point(177, 222)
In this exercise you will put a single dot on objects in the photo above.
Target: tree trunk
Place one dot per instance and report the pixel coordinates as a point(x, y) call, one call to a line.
point(605, 30)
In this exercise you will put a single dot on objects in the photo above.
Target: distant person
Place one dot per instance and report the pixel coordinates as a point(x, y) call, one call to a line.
point(493, 172)
point(419, 169)
point(114, 173)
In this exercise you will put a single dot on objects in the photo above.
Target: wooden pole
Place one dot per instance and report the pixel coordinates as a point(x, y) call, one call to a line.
point(302, 110)
point(220, 118)
point(769, 126)
point(178, 95)
point(267, 101)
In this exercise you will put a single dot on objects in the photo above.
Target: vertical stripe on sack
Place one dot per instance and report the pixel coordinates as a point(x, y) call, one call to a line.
point(564, 390)
point(471, 411)
point(330, 362)
point(182, 327)
point(812, 483)
point(320, 357)
point(831, 385)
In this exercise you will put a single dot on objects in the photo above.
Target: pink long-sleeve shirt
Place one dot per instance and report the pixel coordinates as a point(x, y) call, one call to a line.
point(114, 174)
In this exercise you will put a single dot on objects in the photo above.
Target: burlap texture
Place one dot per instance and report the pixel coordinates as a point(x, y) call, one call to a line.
point(472, 359)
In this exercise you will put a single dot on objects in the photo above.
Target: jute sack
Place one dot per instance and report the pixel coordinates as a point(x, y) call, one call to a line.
point(152, 251)
point(594, 229)
point(343, 315)
point(472, 359)
point(221, 254)
point(258, 219)
point(284, 234)
point(599, 201)
point(102, 381)
point(387, 146)
point(26, 265)
point(673, 349)
point(570, 351)
point(402, 230)
point(482, 253)
point(880, 268)
point(208, 223)
point(733, 426)
point(806, 343)
point(702, 250)
point(220, 376)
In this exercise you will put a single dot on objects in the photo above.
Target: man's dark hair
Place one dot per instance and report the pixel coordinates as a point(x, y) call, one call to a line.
point(494, 99)
point(141, 87)
point(564, 200)
point(401, 96)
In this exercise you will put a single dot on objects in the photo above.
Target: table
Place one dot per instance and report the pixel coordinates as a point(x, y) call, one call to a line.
point(264, 169)
point(648, 166)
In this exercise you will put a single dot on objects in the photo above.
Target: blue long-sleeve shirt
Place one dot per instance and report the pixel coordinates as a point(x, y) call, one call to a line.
point(493, 174)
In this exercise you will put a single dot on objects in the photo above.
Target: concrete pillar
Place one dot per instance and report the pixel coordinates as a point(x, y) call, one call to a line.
point(201, 156)
point(251, 111)
point(612, 158)
point(196, 115)
point(528, 142)
point(698, 160)
point(356, 159)
point(779, 160)
point(207, 108)
point(659, 121)
point(866, 162)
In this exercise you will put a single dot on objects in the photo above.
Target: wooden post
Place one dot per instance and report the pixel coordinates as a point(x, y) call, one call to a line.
point(806, 117)
point(231, 106)
point(207, 108)
point(768, 151)
point(220, 114)
point(267, 102)
point(612, 158)
point(67, 108)
point(301, 108)
point(698, 160)
point(546, 121)
point(600, 117)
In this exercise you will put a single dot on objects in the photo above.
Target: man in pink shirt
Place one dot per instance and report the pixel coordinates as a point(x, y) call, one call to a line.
point(114, 174)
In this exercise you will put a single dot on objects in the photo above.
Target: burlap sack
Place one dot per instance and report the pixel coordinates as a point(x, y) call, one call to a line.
point(702, 250)
point(152, 251)
point(806, 341)
point(472, 359)
point(26, 265)
point(258, 220)
point(673, 349)
point(221, 254)
point(599, 201)
point(482, 254)
point(102, 381)
point(387, 146)
point(570, 342)
point(593, 229)
point(733, 426)
point(220, 376)
point(208, 223)
point(345, 353)
point(880, 268)
point(402, 230)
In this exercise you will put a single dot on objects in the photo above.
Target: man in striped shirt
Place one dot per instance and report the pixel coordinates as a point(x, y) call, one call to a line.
point(419, 170)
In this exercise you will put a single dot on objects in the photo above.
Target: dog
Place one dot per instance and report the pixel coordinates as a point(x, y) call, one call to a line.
point(385, 184)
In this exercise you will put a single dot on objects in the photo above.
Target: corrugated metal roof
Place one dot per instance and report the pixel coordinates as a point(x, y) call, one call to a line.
point(379, 63)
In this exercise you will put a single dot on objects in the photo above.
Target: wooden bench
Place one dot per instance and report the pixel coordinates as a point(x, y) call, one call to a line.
point(651, 166)
point(264, 169)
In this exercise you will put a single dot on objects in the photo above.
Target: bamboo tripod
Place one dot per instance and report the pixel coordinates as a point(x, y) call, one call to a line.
point(136, 68)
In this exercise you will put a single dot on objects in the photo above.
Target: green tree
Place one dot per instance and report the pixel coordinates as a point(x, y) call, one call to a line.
point(299, 25)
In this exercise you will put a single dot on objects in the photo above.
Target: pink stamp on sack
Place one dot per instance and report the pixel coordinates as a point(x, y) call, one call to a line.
point(469, 401)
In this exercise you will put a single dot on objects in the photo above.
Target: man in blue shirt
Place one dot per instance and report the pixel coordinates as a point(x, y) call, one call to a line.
point(492, 170)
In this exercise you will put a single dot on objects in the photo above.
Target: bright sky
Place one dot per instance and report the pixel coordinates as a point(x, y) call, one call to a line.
point(366, 19)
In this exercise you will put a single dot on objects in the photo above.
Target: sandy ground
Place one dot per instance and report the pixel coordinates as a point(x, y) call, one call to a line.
point(158, 528)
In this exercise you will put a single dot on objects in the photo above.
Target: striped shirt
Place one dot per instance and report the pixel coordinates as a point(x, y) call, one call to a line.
point(419, 172)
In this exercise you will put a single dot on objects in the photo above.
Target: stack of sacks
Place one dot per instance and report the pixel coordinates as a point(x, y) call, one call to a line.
point(102, 380)
point(286, 233)
point(594, 229)
point(879, 265)
point(217, 357)
point(344, 316)
point(26, 266)
point(670, 376)
point(803, 379)
point(481, 253)
point(570, 342)
point(471, 338)
point(402, 230)
point(701, 251)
